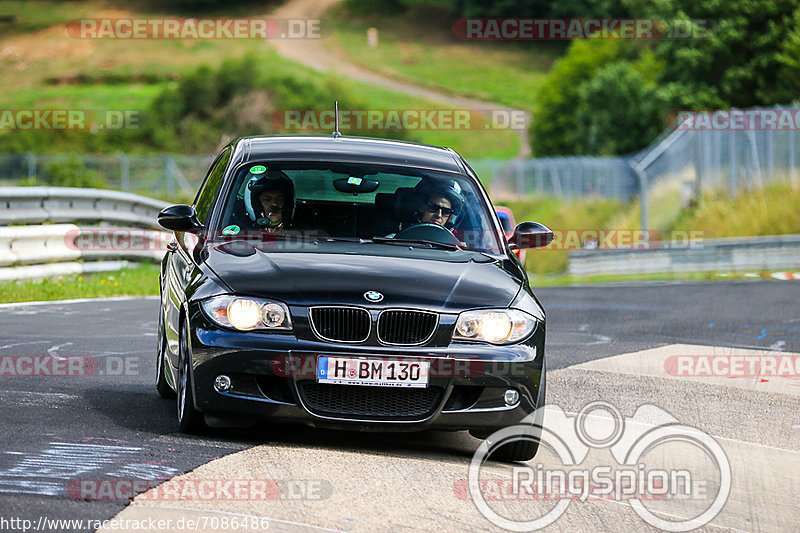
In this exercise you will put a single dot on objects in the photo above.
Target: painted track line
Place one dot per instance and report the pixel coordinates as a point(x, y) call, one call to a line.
point(77, 301)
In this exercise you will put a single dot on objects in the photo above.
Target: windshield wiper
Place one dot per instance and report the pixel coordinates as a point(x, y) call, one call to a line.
point(432, 244)
point(341, 239)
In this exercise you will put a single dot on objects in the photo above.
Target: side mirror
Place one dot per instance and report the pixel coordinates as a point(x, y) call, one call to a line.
point(530, 235)
point(179, 218)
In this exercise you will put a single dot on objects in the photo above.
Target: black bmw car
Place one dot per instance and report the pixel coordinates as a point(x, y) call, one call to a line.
point(350, 283)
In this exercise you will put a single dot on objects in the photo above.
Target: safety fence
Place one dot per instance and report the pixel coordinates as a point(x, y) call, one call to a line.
point(164, 176)
point(689, 158)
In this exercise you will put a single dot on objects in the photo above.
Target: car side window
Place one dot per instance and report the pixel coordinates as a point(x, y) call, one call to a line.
point(206, 196)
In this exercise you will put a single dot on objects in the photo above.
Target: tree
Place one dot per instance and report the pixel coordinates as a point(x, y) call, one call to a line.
point(742, 60)
point(618, 110)
point(554, 128)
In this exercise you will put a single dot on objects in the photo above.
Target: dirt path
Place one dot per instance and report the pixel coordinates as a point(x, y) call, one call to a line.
point(317, 54)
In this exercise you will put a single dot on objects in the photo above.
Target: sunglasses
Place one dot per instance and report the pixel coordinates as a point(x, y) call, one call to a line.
point(433, 208)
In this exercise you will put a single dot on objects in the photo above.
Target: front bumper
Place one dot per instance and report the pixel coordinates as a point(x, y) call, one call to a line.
point(273, 377)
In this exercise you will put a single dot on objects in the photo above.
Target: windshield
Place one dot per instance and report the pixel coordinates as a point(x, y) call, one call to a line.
point(355, 202)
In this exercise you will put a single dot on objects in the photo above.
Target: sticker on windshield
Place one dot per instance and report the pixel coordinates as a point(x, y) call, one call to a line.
point(231, 230)
point(258, 169)
point(354, 181)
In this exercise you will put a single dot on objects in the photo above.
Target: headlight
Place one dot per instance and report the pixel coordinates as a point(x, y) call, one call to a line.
point(495, 326)
point(246, 314)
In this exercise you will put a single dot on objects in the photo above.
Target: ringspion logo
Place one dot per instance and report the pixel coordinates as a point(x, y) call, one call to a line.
point(649, 461)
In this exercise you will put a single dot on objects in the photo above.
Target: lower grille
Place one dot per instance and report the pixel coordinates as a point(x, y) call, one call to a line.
point(406, 327)
point(357, 401)
point(341, 324)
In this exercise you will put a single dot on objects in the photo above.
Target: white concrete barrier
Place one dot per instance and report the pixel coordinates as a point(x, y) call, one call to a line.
point(26, 245)
point(58, 269)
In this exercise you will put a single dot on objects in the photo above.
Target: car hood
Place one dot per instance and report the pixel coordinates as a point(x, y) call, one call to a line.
point(342, 278)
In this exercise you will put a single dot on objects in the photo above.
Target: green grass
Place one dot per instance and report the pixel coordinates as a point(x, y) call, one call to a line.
point(499, 144)
point(42, 15)
point(101, 97)
point(139, 280)
point(560, 216)
point(772, 210)
point(768, 211)
point(50, 70)
point(420, 46)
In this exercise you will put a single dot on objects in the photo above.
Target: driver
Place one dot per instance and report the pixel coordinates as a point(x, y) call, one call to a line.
point(439, 203)
point(436, 210)
point(269, 201)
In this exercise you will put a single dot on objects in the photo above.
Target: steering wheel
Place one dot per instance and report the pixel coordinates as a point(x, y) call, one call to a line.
point(429, 232)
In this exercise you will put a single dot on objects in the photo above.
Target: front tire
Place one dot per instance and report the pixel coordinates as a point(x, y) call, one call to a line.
point(525, 449)
point(163, 388)
point(520, 450)
point(190, 419)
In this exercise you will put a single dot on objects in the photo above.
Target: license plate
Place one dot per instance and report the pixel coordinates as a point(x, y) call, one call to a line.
point(376, 372)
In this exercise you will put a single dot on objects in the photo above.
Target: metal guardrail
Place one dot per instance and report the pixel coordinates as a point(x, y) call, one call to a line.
point(40, 249)
point(735, 254)
point(38, 205)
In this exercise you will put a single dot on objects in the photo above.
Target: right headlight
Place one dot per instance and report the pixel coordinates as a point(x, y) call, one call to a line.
point(495, 326)
point(246, 314)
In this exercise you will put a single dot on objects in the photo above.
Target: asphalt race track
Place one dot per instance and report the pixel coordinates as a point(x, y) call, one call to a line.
point(614, 344)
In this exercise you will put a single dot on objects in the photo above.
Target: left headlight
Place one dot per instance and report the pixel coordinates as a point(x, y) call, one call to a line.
point(495, 326)
point(246, 314)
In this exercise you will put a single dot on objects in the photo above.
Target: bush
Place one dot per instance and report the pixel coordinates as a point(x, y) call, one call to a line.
point(618, 110)
point(554, 129)
point(611, 97)
point(744, 59)
point(211, 106)
point(497, 8)
point(70, 172)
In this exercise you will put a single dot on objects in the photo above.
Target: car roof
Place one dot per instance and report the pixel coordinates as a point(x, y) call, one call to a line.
point(347, 149)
